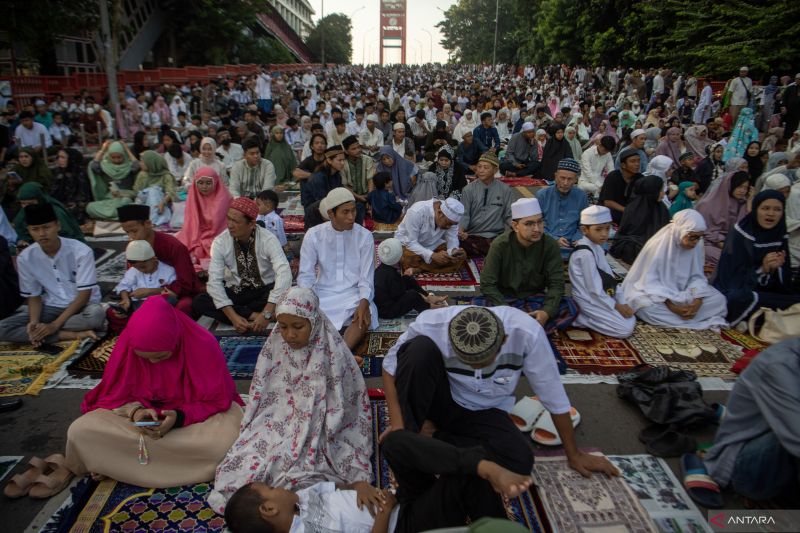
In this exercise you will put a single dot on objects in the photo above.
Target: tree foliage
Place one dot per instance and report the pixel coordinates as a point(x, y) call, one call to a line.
point(709, 37)
point(336, 29)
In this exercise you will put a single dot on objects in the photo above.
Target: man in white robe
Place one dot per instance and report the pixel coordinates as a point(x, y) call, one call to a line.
point(337, 261)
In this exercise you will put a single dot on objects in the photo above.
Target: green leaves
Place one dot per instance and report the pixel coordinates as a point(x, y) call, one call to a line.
point(337, 29)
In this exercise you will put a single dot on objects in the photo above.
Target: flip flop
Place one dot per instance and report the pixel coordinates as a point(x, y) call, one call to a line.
point(671, 443)
point(20, 484)
point(526, 412)
point(544, 431)
point(701, 488)
point(52, 484)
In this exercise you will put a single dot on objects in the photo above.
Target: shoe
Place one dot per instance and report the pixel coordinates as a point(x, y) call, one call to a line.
point(10, 405)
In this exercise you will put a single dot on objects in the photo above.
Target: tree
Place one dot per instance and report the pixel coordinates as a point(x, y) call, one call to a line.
point(336, 31)
point(468, 29)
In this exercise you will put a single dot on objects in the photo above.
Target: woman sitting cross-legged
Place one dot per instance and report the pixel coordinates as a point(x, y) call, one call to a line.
point(666, 285)
point(309, 418)
point(165, 368)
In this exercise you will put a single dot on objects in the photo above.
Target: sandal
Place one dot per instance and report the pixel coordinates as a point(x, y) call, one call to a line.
point(20, 484)
point(700, 486)
point(52, 484)
point(544, 431)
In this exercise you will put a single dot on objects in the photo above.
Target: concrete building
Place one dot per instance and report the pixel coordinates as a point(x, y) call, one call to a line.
point(297, 14)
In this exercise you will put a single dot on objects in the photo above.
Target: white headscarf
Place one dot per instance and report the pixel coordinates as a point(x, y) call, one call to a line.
point(665, 270)
point(659, 166)
point(466, 123)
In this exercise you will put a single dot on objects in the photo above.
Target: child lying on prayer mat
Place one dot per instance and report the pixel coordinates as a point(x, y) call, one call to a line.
point(396, 295)
point(468, 487)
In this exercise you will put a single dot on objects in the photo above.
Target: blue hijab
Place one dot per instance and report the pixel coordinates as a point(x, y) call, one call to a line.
point(402, 170)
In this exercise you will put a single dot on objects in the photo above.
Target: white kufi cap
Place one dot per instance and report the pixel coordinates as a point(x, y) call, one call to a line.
point(525, 207)
point(452, 209)
point(595, 214)
point(390, 251)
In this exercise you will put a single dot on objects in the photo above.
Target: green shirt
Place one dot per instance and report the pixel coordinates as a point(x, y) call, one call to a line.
point(511, 270)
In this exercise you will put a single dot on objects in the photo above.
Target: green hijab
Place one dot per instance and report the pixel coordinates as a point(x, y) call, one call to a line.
point(681, 201)
point(281, 155)
point(112, 170)
point(38, 171)
point(34, 191)
point(155, 164)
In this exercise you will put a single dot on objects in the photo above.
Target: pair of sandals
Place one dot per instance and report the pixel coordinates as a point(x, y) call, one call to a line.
point(530, 415)
point(46, 477)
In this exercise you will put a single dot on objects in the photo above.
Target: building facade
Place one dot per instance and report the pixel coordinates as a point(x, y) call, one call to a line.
point(297, 14)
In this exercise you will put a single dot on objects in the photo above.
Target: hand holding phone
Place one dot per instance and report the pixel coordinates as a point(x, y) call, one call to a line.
point(146, 423)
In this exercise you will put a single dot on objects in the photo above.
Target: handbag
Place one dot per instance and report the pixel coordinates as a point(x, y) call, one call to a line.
point(778, 325)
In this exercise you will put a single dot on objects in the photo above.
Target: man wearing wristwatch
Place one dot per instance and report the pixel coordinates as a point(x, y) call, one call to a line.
point(248, 273)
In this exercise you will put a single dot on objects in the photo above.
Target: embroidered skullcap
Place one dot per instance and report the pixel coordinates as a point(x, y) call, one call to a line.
point(139, 251)
point(595, 214)
point(452, 209)
point(335, 198)
point(399, 126)
point(636, 133)
point(372, 117)
point(528, 126)
point(525, 207)
point(390, 251)
point(246, 206)
point(490, 157)
point(476, 335)
point(37, 214)
point(570, 165)
point(137, 212)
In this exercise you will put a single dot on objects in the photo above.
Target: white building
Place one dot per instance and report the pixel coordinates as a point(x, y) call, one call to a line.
point(297, 13)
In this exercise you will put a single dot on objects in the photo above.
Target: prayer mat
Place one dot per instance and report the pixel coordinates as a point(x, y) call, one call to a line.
point(7, 464)
point(704, 352)
point(589, 352)
point(381, 227)
point(523, 181)
point(112, 269)
point(524, 192)
point(744, 340)
point(395, 324)
point(575, 503)
point(293, 223)
point(373, 349)
point(101, 254)
point(107, 227)
point(567, 311)
point(93, 361)
point(241, 353)
point(660, 493)
point(25, 370)
point(291, 206)
point(461, 278)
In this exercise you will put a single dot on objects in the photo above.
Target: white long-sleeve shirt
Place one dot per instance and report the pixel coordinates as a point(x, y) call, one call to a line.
point(32, 138)
point(418, 231)
point(594, 169)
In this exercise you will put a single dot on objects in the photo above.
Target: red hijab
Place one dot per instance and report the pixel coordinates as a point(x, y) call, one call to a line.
point(194, 380)
point(205, 216)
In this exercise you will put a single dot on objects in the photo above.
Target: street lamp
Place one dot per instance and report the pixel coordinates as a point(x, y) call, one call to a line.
point(444, 13)
point(419, 56)
point(364, 44)
point(494, 50)
point(430, 35)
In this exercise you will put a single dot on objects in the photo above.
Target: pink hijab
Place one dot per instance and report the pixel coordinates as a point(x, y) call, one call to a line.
point(205, 217)
point(194, 380)
point(671, 149)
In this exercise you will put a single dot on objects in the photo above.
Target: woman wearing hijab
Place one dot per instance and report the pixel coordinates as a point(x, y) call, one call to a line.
point(467, 123)
point(555, 149)
point(703, 110)
point(308, 419)
point(436, 140)
point(32, 167)
point(503, 124)
point(450, 179)
point(70, 182)
point(32, 193)
point(642, 218)
point(205, 217)
point(282, 157)
point(111, 175)
point(155, 186)
point(754, 269)
point(710, 169)
point(571, 134)
point(166, 368)
point(164, 114)
point(722, 207)
point(581, 129)
point(780, 183)
point(744, 132)
point(667, 286)
point(687, 194)
point(131, 119)
point(755, 166)
point(672, 146)
point(697, 140)
point(208, 158)
point(402, 170)
point(141, 142)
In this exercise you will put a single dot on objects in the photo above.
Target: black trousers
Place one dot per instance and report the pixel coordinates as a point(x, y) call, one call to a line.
point(438, 485)
point(423, 390)
point(244, 303)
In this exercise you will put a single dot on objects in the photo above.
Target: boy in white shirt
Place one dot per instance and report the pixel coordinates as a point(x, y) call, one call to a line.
point(594, 286)
point(267, 202)
point(147, 276)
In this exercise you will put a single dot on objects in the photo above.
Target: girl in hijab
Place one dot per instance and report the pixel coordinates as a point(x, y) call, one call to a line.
point(205, 216)
point(111, 175)
point(309, 418)
point(687, 194)
point(555, 149)
point(402, 170)
point(165, 368)
point(164, 113)
point(208, 158)
point(697, 140)
point(667, 286)
point(70, 182)
point(672, 146)
point(642, 218)
point(32, 193)
point(722, 207)
point(282, 157)
point(710, 169)
point(754, 269)
point(571, 135)
point(755, 166)
point(466, 123)
point(32, 167)
point(450, 179)
point(581, 130)
point(744, 132)
point(155, 185)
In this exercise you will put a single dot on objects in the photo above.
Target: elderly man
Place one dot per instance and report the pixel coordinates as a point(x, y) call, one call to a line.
point(455, 371)
point(487, 207)
point(741, 89)
point(618, 185)
point(252, 174)
point(596, 163)
point(562, 204)
point(371, 137)
point(337, 261)
point(525, 262)
point(30, 134)
point(429, 234)
point(58, 280)
point(248, 274)
point(521, 154)
point(402, 144)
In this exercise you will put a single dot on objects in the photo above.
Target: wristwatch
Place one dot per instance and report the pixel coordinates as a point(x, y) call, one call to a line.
point(267, 315)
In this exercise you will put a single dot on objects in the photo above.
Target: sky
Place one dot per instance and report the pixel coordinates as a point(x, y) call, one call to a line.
point(420, 15)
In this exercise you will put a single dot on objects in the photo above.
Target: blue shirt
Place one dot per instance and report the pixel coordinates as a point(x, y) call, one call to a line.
point(485, 138)
point(562, 213)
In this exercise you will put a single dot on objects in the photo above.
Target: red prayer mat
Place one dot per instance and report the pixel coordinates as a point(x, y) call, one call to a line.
point(589, 352)
point(523, 181)
point(293, 223)
point(462, 277)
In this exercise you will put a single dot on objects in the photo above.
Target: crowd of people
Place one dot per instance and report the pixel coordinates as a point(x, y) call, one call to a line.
point(697, 193)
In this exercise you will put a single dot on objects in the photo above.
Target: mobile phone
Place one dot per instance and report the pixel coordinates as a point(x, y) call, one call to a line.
point(147, 423)
point(50, 349)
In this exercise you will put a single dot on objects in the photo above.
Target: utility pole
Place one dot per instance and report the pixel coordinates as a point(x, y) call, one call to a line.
point(494, 50)
point(110, 52)
point(430, 36)
point(322, 33)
